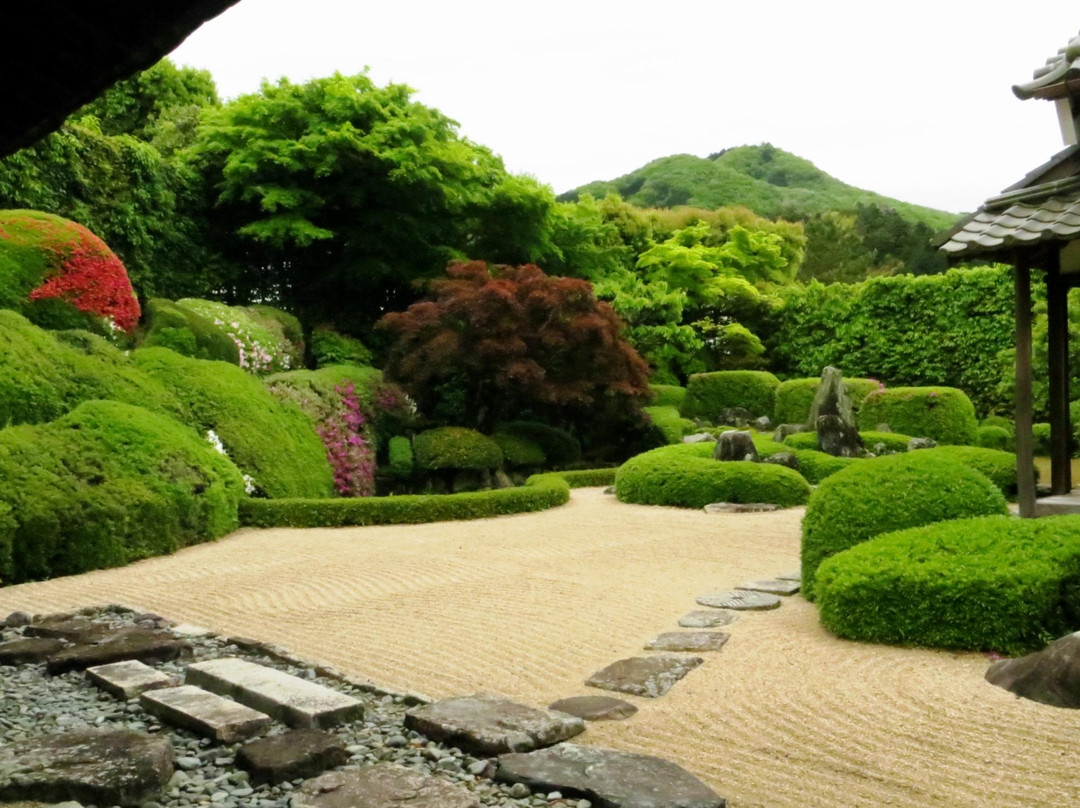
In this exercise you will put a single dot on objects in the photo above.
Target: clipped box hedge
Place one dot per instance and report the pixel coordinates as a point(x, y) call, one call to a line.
point(519, 452)
point(671, 425)
point(795, 397)
point(995, 437)
point(455, 447)
point(884, 494)
point(708, 394)
point(893, 441)
point(990, 583)
point(944, 414)
point(560, 447)
point(998, 466)
point(400, 456)
point(667, 395)
point(687, 476)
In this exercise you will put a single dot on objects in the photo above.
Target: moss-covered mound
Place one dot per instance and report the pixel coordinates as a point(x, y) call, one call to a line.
point(671, 425)
point(519, 452)
point(455, 447)
point(795, 397)
point(686, 476)
point(107, 484)
point(992, 583)
point(884, 494)
point(998, 466)
point(560, 447)
point(708, 394)
point(944, 414)
point(61, 275)
point(667, 395)
point(169, 325)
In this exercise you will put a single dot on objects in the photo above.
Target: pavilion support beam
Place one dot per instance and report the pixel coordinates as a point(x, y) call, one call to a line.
point(1057, 316)
point(1025, 455)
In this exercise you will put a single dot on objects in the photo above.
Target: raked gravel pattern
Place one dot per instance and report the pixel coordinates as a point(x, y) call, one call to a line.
point(32, 703)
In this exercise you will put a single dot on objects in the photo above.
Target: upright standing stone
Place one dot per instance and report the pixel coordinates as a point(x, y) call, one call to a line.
point(205, 713)
point(831, 415)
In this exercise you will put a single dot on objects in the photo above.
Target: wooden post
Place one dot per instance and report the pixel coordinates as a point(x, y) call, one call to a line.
point(1024, 440)
point(1058, 343)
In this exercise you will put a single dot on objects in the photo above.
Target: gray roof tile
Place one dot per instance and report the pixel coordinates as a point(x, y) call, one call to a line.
point(1020, 224)
point(1061, 67)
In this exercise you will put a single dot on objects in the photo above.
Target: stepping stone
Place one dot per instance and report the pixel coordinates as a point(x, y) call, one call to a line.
point(595, 708)
point(694, 641)
point(791, 576)
point(381, 786)
point(608, 778)
point(740, 600)
point(775, 586)
point(205, 713)
point(651, 676)
point(740, 507)
point(299, 753)
point(96, 768)
point(68, 627)
point(290, 699)
point(29, 651)
point(140, 644)
point(484, 725)
point(709, 619)
point(126, 680)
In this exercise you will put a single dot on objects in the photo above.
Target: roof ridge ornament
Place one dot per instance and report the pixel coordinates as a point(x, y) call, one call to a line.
point(1057, 78)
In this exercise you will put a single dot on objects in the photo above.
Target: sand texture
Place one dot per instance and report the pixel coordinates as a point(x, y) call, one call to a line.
point(529, 606)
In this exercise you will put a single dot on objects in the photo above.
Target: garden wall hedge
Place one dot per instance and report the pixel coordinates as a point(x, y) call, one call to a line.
point(707, 394)
point(944, 414)
point(992, 583)
point(519, 452)
point(667, 395)
point(883, 494)
point(795, 397)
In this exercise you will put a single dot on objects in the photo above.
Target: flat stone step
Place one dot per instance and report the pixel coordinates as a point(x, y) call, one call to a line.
point(740, 507)
point(29, 651)
point(74, 628)
point(708, 619)
point(206, 714)
point(290, 699)
point(651, 676)
point(126, 680)
point(595, 708)
point(299, 753)
point(791, 576)
point(740, 600)
point(381, 786)
point(774, 586)
point(693, 641)
point(140, 644)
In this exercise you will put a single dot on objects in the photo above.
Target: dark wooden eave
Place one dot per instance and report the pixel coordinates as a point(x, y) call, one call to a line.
point(61, 54)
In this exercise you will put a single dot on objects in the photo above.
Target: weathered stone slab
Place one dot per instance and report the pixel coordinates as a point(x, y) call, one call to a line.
point(775, 586)
point(207, 714)
point(489, 725)
point(100, 768)
point(383, 785)
point(30, 651)
point(607, 778)
point(290, 699)
point(740, 600)
point(700, 437)
point(1050, 676)
point(74, 628)
point(651, 676)
point(791, 576)
point(299, 753)
point(126, 680)
point(694, 641)
point(740, 507)
point(595, 708)
point(708, 619)
point(141, 644)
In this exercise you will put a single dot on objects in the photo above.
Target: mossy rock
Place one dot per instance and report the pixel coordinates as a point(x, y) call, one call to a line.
point(457, 448)
point(944, 414)
point(709, 394)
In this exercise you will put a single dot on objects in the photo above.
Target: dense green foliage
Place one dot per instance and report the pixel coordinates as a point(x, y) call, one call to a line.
point(559, 446)
point(400, 456)
point(795, 397)
point(182, 329)
point(587, 478)
point(993, 583)
point(671, 425)
point(996, 465)
point(667, 395)
point(328, 347)
point(107, 484)
point(519, 452)
point(707, 394)
point(889, 493)
point(687, 476)
point(944, 414)
point(1041, 435)
point(815, 466)
point(995, 437)
point(455, 447)
point(893, 441)
point(267, 340)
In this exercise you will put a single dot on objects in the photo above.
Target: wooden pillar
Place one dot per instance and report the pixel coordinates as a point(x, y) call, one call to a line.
point(1024, 440)
point(1057, 316)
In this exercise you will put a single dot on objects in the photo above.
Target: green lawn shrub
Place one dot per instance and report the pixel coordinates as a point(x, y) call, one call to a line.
point(671, 425)
point(795, 397)
point(187, 332)
point(107, 484)
point(259, 333)
point(1040, 434)
point(667, 395)
point(815, 466)
point(998, 466)
point(329, 347)
point(1001, 421)
point(991, 583)
point(519, 452)
point(687, 476)
point(560, 447)
point(893, 441)
point(883, 494)
point(944, 414)
point(400, 455)
point(995, 437)
point(455, 447)
point(708, 394)
point(588, 478)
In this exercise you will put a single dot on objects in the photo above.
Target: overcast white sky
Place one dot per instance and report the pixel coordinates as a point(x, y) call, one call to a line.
point(911, 99)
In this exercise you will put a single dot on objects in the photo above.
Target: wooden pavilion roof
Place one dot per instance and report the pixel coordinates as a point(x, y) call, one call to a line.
point(1057, 78)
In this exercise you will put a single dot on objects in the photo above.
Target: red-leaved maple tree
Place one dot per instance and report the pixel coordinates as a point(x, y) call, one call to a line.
point(503, 339)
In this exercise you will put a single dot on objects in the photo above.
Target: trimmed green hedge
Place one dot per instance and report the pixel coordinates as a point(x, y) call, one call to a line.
point(893, 442)
point(587, 478)
point(816, 466)
point(540, 492)
point(944, 414)
point(998, 466)
point(795, 397)
point(107, 484)
point(686, 476)
point(560, 447)
point(187, 332)
point(707, 394)
point(992, 583)
point(1040, 433)
point(519, 452)
point(1001, 421)
point(264, 336)
point(995, 437)
point(884, 494)
point(667, 395)
point(455, 447)
point(400, 456)
point(671, 425)
point(328, 347)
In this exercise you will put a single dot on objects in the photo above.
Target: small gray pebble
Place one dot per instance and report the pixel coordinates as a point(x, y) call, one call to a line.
point(396, 742)
point(519, 791)
point(188, 762)
point(554, 795)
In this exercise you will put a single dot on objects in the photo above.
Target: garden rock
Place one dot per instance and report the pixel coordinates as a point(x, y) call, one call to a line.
point(1050, 676)
point(17, 620)
point(299, 753)
point(693, 641)
point(735, 416)
point(763, 424)
point(141, 644)
point(784, 430)
point(921, 443)
point(740, 600)
point(831, 415)
point(100, 768)
point(381, 786)
point(502, 479)
point(740, 507)
point(783, 459)
point(708, 619)
point(126, 680)
point(775, 586)
point(700, 437)
point(651, 676)
point(68, 627)
point(489, 725)
point(735, 445)
point(205, 713)
point(607, 778)
point(29, 651)
point(595, 708)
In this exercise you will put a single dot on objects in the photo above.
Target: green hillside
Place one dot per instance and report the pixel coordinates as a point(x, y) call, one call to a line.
point(769, 181)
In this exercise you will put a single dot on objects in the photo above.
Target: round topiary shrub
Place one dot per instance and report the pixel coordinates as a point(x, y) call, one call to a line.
point(995, 437)
point(795, 397)
point(709, 394)
point(258, 332)
point(889, 493)
point(519, 452)
point(990, 583)
point(667, 395)
point(671, 425)
point(329, 347)
point(998, 466)
point(944, 414)
point(560, 447)
point(185, 331)
point(1001, 421)
point(687, 476)
point(400, 456)
point(455, 447)
point(815, 466)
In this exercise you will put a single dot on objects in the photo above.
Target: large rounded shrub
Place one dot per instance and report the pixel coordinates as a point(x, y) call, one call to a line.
point(107, 484)
point(687, 476)
point(893, 441)
point(519, 452)
point(187, 332)
point(560, 447)
point(667, 395)
point(455, 447)
point(671, 425)
point(883, 494)
point(795, 397)
point(944, 414)
point(329, 347)
point(708, 394)
point(990, 583)
point(995, 437)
